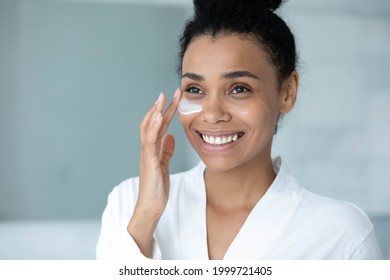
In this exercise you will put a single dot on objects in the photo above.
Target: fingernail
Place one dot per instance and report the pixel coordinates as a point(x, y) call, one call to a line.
point(177, 92)
point(158, 99)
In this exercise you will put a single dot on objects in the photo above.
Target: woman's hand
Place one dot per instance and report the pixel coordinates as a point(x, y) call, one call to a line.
point(156, 153)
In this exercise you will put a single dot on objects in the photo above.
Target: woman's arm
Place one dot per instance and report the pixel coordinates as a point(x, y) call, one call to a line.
point(156, 153)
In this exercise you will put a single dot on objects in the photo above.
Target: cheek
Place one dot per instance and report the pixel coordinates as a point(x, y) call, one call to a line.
point(260, 117)
point(186, 121)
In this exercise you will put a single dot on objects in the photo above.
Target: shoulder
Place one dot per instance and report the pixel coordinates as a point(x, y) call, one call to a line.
point(341, 214)
point(121, 200)
point(333, 226)
point(126, 189)
point(323, 211)
point(340, 225)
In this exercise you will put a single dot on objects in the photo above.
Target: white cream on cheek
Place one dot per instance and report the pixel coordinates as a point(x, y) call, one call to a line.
point(187, 107)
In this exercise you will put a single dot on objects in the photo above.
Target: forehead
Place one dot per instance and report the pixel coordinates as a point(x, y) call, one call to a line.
point(225, 52)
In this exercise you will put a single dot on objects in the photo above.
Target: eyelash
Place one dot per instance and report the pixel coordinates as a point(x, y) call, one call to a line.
point(190, 88)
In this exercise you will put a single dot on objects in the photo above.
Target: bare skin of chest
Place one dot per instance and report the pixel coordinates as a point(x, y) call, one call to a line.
point(222, 228)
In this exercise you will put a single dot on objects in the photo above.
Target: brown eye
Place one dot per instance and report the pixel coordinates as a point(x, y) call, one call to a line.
point(239, 90)
point(193, 90)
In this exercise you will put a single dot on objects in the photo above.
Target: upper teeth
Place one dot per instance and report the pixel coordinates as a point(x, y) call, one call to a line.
point(219, 140)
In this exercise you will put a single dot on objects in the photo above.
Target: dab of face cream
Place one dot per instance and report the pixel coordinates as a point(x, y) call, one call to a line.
point(187, 107)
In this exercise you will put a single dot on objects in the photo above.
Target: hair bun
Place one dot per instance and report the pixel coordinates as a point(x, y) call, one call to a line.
point(206, 7)
point(272, 4)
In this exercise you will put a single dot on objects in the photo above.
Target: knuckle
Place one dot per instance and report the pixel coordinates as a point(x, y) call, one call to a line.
point(148, 142)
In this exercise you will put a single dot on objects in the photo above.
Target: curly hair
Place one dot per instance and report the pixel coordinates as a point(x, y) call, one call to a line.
point(252, 18)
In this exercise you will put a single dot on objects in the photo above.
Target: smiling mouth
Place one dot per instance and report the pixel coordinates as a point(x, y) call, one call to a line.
point(220, 140)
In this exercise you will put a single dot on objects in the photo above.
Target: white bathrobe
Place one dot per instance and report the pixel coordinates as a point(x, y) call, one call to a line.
point(288, 222)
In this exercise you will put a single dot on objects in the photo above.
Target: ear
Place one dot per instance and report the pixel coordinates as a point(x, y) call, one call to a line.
point(289, 92)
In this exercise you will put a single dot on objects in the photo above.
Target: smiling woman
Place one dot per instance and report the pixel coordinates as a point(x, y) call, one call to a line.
point(240, 99)
point(237, 63)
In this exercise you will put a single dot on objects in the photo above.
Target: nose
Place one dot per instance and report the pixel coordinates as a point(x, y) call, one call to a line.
point(215, 109)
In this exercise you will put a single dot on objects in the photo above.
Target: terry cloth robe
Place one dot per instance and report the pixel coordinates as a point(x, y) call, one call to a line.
point(288, 222)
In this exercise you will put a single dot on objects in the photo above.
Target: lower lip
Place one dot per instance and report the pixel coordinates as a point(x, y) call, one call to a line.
point(217, 148)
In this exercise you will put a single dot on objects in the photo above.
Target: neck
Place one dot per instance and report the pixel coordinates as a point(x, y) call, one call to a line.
point(241, 187)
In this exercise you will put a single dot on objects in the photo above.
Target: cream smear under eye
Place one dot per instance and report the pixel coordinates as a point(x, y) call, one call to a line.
point(187, 107)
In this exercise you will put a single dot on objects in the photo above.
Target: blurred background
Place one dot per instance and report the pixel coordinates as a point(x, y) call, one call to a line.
point(76, 78)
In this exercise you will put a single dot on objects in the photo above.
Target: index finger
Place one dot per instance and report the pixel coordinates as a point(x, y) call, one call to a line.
point(170, 112)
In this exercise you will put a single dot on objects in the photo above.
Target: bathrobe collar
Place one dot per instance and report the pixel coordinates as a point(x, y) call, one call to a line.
point(262, 226)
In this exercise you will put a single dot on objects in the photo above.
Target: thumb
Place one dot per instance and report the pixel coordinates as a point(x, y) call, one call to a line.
point(167, 149)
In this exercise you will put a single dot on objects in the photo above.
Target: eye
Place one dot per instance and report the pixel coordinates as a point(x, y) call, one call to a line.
point(239, 90)
point(193, 90)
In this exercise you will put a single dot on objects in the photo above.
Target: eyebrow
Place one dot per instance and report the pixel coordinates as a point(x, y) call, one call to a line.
point(193, 76)
point(228, 75)
point(239, 74)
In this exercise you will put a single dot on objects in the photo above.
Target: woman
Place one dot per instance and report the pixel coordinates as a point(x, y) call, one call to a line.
point(237, 63)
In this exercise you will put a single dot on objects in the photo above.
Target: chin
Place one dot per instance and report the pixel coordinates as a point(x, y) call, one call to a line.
point(218, 164)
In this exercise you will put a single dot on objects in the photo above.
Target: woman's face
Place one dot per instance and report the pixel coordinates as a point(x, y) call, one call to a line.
point(232, 79)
